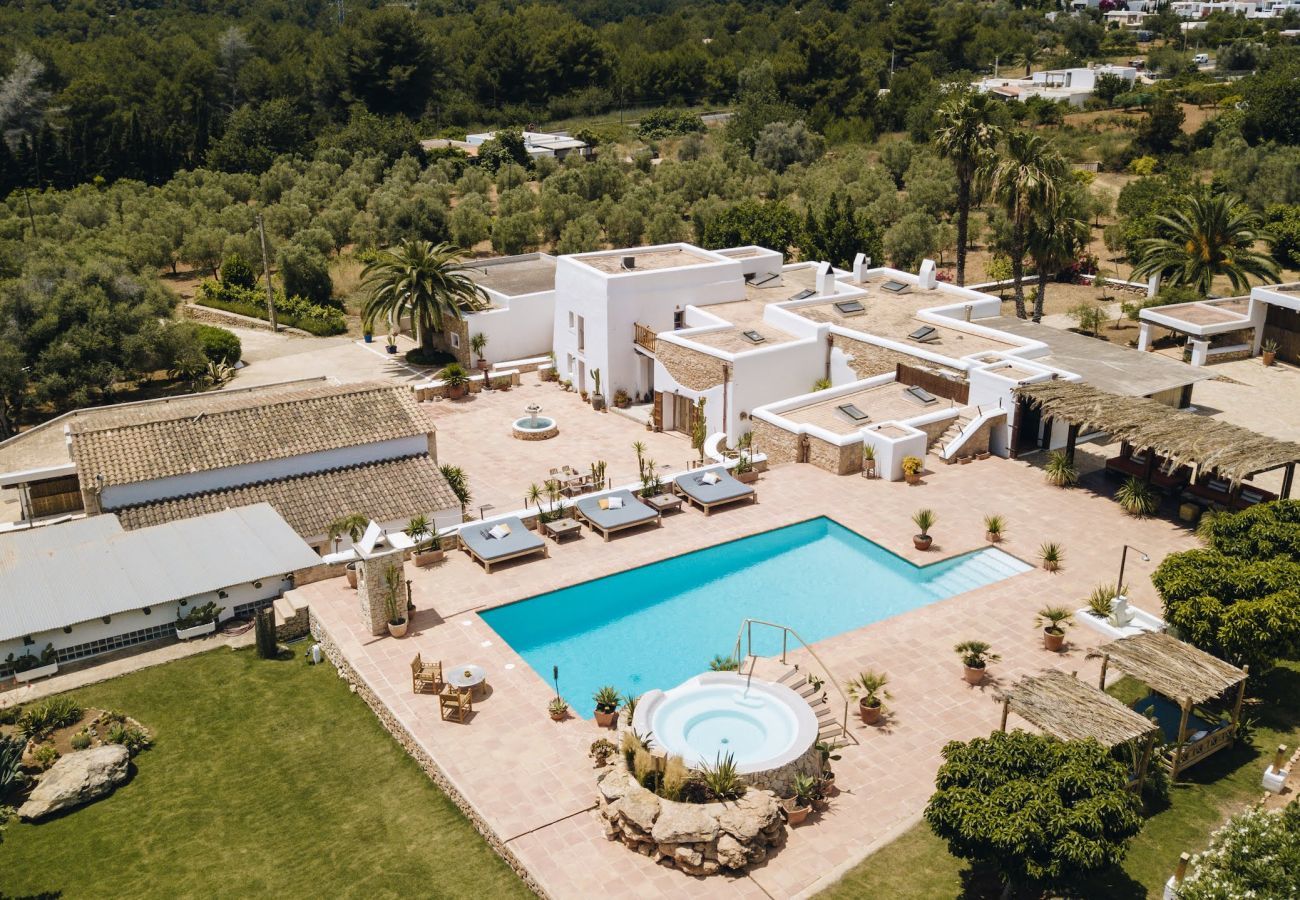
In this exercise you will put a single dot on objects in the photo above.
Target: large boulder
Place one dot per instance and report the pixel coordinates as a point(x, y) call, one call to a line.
point(638, 809)
point(746, 818)
point(76, 779)
point(686, 823)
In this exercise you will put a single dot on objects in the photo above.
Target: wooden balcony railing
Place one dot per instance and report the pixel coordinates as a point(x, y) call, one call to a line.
point(644, 336)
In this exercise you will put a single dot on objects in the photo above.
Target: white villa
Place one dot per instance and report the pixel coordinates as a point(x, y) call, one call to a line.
point(1074, 86)
point(1231, 326)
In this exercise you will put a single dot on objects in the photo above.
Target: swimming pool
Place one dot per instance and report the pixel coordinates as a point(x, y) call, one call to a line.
point(660, 624)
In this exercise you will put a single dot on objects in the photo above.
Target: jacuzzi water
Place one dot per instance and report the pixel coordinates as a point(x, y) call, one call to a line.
point(529, 423)
point(660, 624)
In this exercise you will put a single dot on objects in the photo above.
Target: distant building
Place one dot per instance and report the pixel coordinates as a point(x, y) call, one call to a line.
point(1074, 86)
point(540, 143)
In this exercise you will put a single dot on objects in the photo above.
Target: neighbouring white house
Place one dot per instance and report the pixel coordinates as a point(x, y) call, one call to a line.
point(516, 322)
point(1074, 86)
point(558, 144)
point(314, 450)
point(1230, 327)
point(89, 586)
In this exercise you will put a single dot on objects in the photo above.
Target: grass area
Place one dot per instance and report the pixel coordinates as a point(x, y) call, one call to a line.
point(265, 778)
point(918, 864)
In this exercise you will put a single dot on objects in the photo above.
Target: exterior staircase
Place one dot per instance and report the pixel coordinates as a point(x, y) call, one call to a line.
point(291, 616)
point(951, 433)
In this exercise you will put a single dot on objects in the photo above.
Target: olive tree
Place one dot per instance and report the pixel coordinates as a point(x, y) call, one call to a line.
point(1032, 808)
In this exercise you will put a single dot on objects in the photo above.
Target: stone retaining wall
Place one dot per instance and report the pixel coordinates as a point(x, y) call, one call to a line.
point(214, 316)
point(698, 838)
point(413, 748)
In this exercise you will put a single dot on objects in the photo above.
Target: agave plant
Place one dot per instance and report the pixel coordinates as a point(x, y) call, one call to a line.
point(1137, 497)
point(1099, 601)
point(723, 778)
point(1060, 471)
point(722, 663)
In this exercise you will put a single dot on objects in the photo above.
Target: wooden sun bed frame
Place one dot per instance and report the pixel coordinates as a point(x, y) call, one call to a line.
point(487, 564)
point(606, 532)
point(752, 497)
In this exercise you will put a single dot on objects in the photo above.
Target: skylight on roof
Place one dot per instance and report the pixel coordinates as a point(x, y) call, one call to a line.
point(894, 287)
point(924, 335)
point(753, 336)
point(804, 294)
point(853, 412)
point(757, 279)
point(921, 394)
point(850, 307)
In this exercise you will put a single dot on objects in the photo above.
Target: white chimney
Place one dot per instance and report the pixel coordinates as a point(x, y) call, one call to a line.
point(926, 277)
point(825, 279)
point(861, 263)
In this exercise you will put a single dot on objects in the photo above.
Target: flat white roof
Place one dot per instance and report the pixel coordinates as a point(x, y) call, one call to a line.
point(60, 575)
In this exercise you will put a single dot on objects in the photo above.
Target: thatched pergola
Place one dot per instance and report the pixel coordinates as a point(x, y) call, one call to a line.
point(1066, 708)
point(1184, 674)
point(1180, 438)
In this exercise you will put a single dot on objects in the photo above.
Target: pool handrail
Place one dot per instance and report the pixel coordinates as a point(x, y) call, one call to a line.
point(747, 632)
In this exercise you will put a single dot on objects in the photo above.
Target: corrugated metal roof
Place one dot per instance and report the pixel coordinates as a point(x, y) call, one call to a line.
point(64, 574)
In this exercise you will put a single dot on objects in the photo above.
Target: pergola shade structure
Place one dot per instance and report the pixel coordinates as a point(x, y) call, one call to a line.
point(1179, 438)
point(1064, 707)
point(1187, 676)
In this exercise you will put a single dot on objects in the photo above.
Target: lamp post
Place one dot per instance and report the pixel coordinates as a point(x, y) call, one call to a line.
point(1123, 558)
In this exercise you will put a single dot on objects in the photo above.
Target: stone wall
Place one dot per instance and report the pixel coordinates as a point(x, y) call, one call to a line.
point(698, 838)
point(689, 368)
point(870, 360)
point(934, 430)
point(212, 316)
point(780, 446)
point(372, 587)
point(294, 627)
point(836, 459)
point(417, 752)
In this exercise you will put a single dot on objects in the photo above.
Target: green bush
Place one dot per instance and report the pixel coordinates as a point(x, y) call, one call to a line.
point(294, 312)
point(1255, 854)
point(305, 274)
point(418, 357)
point(237, 272)
point(665, 122)
point(220, 345)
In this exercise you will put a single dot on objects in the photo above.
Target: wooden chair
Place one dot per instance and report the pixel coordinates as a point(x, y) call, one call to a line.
point(425, 675)
point(455, 704)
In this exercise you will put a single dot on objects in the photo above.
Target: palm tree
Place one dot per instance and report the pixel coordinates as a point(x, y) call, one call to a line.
point(1024, 181)
point(1208, 236)
point(967, 136)
point(1055, 238)
point(422, 279)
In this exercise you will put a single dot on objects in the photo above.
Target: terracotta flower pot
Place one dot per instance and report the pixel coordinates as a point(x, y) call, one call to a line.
point(559, 716)
point(993, 537)
point(351, 572)
point(1051, 566)
point(973, 675)
point(870, 714)
point(455, 393)
point(1269, 357)
point(797, 815)
point(606, 719)
point(398, 630)
point(922, 541)
point(1053, 640)
point(428, 557)
point(912, 477)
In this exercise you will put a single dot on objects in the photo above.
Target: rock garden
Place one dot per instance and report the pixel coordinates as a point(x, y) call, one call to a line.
point(55, 755)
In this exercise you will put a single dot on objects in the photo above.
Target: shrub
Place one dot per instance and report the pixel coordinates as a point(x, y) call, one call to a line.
point(220, 345)
point(45, 756)
point(130, 737)
point(723, 779)
point(39, 720)
point(1060, 471)
point(198, 615)
point(304, 273)
point(664, 122)
point(722, 663)
point(1255, 854)
point(1081, 819)
point(80, 740)
point(1137, 497)
point(11, 759)
point(421, 357)
point(237, 272)
point(294, 312)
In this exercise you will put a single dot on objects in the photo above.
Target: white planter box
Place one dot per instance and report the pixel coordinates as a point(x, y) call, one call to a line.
point(197, 631)
point(38, 672)
point(1141, 621)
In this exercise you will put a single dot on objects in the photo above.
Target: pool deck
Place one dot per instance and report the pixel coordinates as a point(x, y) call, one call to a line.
point(530, 780)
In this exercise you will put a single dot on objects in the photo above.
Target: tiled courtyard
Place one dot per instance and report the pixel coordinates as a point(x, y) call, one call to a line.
point(530, 778)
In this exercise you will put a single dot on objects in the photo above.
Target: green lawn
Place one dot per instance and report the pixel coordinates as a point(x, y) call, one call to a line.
point(265, 779)
point(918, 865)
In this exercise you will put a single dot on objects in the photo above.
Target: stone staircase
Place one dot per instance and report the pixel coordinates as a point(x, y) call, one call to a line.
point(953, 430)
point(291, 617)
point(825, 704)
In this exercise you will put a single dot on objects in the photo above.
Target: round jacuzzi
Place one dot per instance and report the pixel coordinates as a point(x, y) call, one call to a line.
point(768, 730)
point(535, 428)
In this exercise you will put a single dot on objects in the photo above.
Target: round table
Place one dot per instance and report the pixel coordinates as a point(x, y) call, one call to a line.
point(465, 676)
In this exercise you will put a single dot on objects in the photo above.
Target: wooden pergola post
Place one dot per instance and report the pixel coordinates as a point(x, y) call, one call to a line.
point(1006, 708)
point(1182, 732)
point(1071, 437)
point(1105, 661)
point(1146, 760)
point(1236, 707)
point(1287, 478)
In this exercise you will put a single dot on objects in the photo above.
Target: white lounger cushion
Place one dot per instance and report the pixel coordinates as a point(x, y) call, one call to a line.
point(499, 531)
point(615, 503)
point(710, 478)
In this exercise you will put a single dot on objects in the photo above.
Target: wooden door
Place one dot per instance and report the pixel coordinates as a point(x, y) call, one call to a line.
point(658, 414)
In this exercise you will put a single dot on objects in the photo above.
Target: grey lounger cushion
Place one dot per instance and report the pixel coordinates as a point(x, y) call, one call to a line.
point(519, 540)
point(726, 489)
point(633, 512)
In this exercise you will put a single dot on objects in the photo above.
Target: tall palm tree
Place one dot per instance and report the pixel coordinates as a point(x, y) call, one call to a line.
point(1208, 236)
point(1024, 181)
point(423, 279)
point(968, 137)
point(1056, 235)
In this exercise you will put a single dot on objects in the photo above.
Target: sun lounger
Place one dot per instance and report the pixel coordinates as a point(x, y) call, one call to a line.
point(478, 543)
point(706, 496)
point(632, 513)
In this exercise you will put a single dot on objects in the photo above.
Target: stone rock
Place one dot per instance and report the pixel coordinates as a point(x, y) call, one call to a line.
point(731, 853)
point(614, 783)
point(639, 809)
point(749, 816)
point(77, 778)
point(685, 855)
point(684, 823)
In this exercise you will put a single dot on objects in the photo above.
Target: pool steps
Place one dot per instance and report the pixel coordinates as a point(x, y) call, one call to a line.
point(976, 571)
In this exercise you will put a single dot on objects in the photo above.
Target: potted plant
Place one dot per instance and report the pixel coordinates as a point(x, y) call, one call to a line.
point(1051, 554)
point(607, 701)
point(197, 621)
point(924, 520)
point(868, 461)
point(368, 336)
point(391, 346)
point(869, 689)
point(744, 471)
point(601, 750)
point(424, 553)
point(597, 398)
point(558, 709)
point(994, 526)
point(394, 605)
point(827, 749)
point(30, 666)
point(912, 466)
point(622, 399)
point(477, 343)
point(807, 790)
point(975, 657)
point(354, 526)
point(1054, 620)
point(455, 379)
point(1269, 351)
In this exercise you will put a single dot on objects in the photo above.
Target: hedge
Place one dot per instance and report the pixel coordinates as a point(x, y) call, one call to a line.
point(294, 312)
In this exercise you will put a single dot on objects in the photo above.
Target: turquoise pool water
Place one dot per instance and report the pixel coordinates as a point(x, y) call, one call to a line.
point(656, 626)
